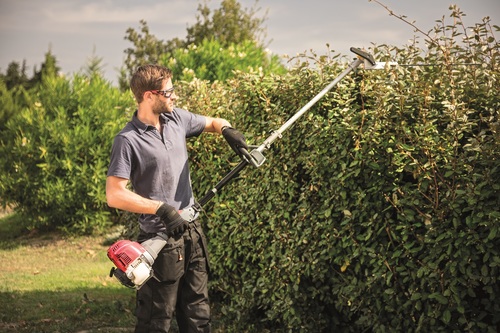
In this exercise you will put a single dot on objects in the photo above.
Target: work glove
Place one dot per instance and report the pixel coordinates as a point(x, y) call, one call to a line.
point(235, 139)
point(175, 225)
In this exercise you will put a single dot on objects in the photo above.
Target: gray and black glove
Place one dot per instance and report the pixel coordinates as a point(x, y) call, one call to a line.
point(173, 222)
point(235, 139)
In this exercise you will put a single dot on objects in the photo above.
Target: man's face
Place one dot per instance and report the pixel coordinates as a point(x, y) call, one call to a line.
point(162, 103)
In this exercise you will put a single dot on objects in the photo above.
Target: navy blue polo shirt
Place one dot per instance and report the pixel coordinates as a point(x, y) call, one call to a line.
point(157, 166)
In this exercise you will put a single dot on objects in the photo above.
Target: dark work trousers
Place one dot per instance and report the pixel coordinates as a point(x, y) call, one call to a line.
point(180, 286)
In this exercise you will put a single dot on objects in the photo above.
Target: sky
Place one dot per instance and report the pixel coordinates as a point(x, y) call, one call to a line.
point(76, 30)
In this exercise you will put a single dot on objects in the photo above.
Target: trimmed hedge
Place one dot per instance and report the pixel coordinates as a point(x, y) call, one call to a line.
point(378, 211)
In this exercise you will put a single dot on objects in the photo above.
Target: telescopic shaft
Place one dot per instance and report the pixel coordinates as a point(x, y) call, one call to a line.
point(255, 157)
point(277, 134)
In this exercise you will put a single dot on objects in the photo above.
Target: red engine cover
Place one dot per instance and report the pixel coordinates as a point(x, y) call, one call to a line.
point(124, 252)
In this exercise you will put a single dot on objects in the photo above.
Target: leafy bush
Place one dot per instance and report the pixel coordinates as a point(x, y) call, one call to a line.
point(55, 161)
point(212, 61)
point(376, 212)
point(11, 101)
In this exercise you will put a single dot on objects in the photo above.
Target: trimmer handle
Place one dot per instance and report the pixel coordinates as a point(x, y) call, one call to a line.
point(365, 55)
point(254, 157)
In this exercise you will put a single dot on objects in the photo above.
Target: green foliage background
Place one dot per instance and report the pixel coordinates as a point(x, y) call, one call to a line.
point(211, 60)
point(377, 211)
point(55, 153)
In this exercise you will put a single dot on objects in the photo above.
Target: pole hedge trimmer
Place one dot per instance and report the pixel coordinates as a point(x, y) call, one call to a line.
point(134, 260)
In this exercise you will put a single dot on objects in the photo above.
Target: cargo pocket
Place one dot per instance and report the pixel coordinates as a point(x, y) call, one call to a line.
point(204, 246)
point(169, 266)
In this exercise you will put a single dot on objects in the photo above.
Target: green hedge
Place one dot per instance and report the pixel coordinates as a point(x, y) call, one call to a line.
point(377, 212)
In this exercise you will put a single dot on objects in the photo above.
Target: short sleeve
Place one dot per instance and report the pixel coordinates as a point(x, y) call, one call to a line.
point(121, 158)
point(193, 123)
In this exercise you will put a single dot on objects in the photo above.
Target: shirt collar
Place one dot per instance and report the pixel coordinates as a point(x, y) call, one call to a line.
point(141, 127)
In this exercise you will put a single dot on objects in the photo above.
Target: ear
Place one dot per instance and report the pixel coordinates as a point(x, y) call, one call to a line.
point(147, 96)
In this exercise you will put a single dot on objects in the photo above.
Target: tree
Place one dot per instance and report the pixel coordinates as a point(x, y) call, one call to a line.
point(146, 47)
point(15, 75)
point(94, 65)
point(48, 69)
point(230, 24)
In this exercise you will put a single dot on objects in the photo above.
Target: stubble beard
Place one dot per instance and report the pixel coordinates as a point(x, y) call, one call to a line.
point(160, 107)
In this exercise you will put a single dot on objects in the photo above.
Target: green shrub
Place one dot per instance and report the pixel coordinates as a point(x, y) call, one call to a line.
point(376, 212)
point(56, 160)
point(11, 101)
point(213, 61)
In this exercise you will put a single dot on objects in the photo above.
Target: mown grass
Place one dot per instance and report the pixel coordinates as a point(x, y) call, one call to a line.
point(51, 283)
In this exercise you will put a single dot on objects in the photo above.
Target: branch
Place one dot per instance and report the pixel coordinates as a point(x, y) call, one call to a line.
point(403, 18)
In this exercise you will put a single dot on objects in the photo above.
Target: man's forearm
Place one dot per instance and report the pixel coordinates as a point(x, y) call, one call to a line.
point(216, 124)
point(124, 199)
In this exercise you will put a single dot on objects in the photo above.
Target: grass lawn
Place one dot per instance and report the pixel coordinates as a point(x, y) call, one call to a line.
point(52, 283)
point(55, 283)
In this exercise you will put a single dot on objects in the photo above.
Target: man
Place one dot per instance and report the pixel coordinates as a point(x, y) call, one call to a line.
point(150, 153)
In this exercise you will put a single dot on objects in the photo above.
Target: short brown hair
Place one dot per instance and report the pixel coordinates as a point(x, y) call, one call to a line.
point(148, 77)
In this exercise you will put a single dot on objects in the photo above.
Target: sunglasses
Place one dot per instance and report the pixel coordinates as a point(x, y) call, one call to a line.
point(165, 93)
